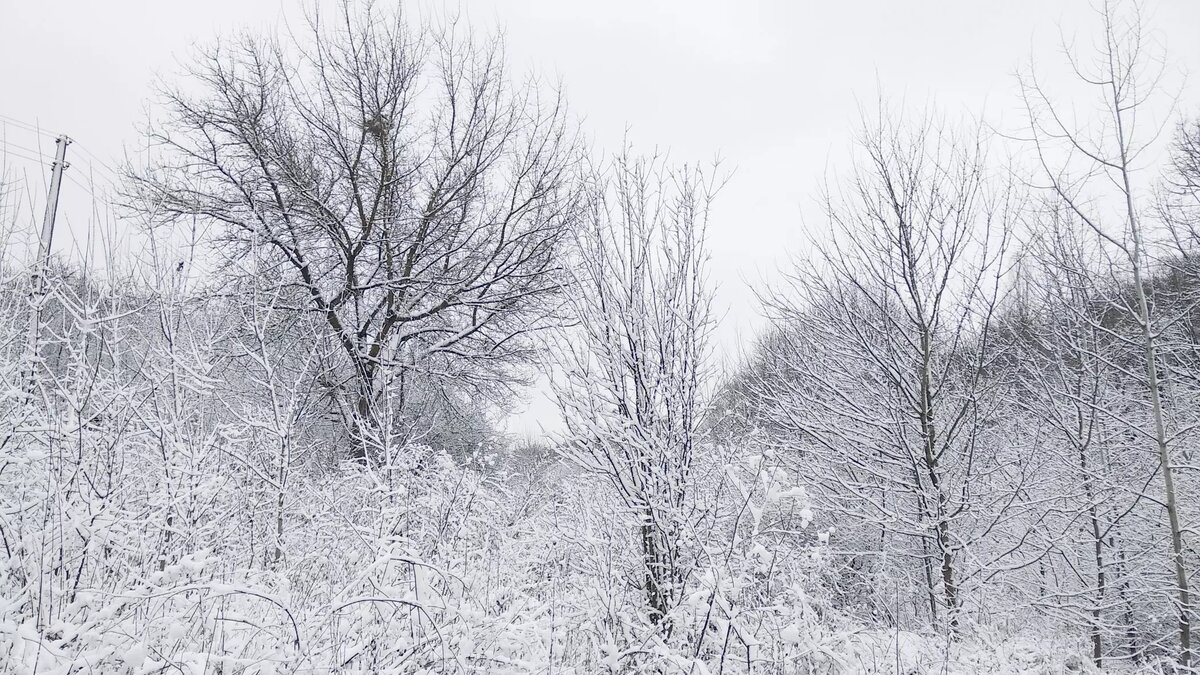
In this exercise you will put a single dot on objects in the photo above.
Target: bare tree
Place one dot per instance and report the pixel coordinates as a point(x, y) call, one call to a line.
point(265, 437)
point(1179, 203)
point(391, 179)
point(877, 376)
point(636, 368)
point(1093, 171)
point(1091, 488)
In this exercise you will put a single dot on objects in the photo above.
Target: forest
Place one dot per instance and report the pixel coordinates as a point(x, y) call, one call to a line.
point(271, 441)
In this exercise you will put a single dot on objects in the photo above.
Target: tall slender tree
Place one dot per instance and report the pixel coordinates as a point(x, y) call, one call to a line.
point(887, 342)
point(1094, 172)
point(636, 370)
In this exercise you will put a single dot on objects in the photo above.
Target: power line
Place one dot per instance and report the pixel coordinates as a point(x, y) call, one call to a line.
point(10, 131)
point(30, 127)
point(97, 175)
point(101, 177)
point(98, 165)
point(37, 130)
point(6, 144)
point(39, 160)
point(94, 175)
point(96, 159)
point(80, 185)
point(98, 192)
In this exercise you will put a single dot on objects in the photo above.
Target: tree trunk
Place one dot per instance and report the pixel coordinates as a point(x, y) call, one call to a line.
point(1150, 349)
point(365, 426)
point(1097, 638)
point(941, 515)
point(657, 588)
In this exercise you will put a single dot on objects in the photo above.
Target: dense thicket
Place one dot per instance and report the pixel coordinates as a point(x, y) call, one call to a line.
point(963, 444)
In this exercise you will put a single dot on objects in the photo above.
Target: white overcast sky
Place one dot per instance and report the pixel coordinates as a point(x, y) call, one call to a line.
point(772, 86)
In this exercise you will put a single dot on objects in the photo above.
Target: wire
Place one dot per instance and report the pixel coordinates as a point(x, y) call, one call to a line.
point(96, 174)
point(96, 159)
point(85, 188)
point(30, 127)
point(11, 131)
point(8, 135)
point(108, 182)
point(89, 187)
point(39, 160)
point(97, 177)
point(113, 176)
point(4, 143)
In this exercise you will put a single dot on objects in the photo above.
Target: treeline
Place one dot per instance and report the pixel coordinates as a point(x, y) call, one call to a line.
point(269, 444)
point(986, 372)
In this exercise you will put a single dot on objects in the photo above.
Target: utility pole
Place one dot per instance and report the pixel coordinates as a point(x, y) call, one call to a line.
point(38, 291)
